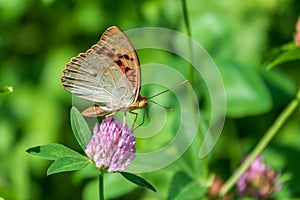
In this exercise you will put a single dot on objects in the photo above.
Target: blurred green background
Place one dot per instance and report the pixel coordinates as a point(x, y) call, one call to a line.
point(38, 37)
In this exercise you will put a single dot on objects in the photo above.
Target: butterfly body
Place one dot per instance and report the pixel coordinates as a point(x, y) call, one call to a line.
point(96, 110)
point(107, 74)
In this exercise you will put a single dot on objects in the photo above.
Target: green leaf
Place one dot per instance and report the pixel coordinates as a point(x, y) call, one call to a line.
point(179, 180)
point(53, 152)
point(288, 56)
point(5, 89)
point(66, 164)
point(281, 86)
point(246, 93)
point(137, 180)
point(80, 128)
point(191, 191)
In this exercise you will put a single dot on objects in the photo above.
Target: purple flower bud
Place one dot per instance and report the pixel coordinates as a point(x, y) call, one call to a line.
point(258, 181)
point(112, 146)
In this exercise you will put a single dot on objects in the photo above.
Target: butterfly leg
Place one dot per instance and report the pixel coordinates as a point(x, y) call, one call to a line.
point(135, 118)
point(110, 114)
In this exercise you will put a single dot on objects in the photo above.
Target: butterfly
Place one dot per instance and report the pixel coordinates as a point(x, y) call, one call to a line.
point(108, 74)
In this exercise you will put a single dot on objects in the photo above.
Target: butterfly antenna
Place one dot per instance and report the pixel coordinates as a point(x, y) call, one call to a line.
point(183, 82)
point(168, 108)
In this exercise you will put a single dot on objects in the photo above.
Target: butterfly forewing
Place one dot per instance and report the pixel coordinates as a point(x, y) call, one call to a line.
point(115, 44)
point(107, 74)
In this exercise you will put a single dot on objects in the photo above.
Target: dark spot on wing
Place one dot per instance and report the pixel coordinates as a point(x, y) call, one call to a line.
point(126, 56)
point(118, 62)
point(131, 59)
point(100, 50)
point(110, 54)
point(127, 69)
point(119, 55)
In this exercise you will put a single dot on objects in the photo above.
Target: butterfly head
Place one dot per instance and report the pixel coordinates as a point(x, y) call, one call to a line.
point(140, 102)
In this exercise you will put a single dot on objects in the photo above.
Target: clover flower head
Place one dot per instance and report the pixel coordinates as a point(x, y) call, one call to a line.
point(258, 181)
point(112, 146)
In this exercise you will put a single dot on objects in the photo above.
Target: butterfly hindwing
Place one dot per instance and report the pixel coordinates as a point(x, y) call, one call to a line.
point(94, 111)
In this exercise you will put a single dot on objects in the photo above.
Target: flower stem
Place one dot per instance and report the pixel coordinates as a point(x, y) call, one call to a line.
point(188, 29)
point(101, 193)
point(262, 144)
point(191, 80)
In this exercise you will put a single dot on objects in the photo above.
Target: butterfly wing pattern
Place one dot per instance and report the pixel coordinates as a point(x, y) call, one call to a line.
point(107, 74)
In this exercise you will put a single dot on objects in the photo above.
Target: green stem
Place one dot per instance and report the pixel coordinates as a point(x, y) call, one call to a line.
point(101, 193)
point(262, 144)
point(204, 160)
point(187, 24)
point(191, 80)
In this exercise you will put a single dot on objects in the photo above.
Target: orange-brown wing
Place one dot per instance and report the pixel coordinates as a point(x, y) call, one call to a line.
point(108, 73)
point(115, 44)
